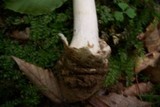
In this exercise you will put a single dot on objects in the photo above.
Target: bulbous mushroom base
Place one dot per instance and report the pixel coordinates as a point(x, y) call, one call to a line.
point(80, 73)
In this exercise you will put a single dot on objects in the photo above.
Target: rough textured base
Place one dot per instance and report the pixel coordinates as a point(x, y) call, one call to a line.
point(80, 74)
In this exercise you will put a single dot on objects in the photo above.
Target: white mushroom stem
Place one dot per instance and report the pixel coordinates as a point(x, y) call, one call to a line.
point(85, 26)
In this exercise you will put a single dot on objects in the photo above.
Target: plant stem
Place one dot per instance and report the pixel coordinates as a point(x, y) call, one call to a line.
point(85, 26)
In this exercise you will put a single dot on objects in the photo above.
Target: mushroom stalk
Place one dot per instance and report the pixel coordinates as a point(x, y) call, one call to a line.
point(84, 64)
point(85, 26)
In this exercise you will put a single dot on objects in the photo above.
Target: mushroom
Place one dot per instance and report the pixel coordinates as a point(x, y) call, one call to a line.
point(82, 68)
point(84, 64)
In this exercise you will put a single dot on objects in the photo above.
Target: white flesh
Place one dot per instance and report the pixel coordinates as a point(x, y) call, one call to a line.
point(85, 26)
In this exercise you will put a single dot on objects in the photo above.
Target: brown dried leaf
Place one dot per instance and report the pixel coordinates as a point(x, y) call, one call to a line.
point(21, 35)
point(137, 89)
point(149, 60)
point(151, 37)
point(154, 72)
point(42, 78)
point(117, 100)
point(150, 65)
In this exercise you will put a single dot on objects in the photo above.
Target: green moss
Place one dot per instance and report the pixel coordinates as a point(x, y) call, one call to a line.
point(43, 48)
point(125, 32)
